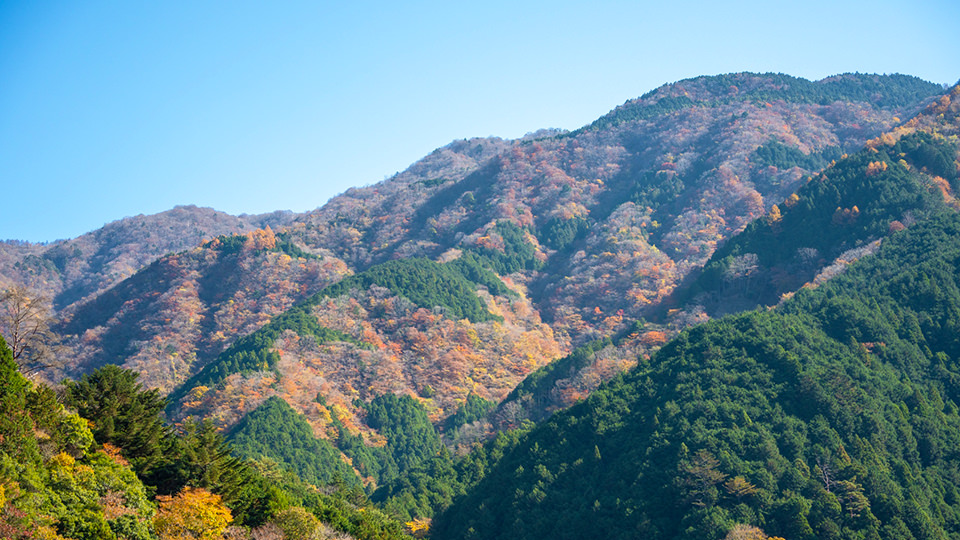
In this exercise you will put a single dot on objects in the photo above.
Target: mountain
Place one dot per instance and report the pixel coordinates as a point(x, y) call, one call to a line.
point(476, 267)
point(411, 326)
point(613, 216)
point(833, 415)
point(902, 175)
point(180, 311)
point(71, 271)
point(367, 344)
point(898, 179)
point(591, 275)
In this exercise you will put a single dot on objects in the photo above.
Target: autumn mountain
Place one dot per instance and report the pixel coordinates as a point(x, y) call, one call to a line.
point(831, 415)
point(560, 239)
point(615, 214)
point(193, 304)
point(70, 272)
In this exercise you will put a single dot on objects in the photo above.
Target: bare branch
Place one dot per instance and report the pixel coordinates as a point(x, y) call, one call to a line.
point(25, 321)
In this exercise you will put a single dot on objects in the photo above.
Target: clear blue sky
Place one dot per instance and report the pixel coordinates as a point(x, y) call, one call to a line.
point(112, 109)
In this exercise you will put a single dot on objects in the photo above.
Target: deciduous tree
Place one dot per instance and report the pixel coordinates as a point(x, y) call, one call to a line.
point(25, 322)
point(739, 487)
point(702, 477)
point(193, 513)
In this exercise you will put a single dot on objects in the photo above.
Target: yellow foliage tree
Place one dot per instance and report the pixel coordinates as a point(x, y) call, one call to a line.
point(418, 528)
point(774, 215)
point(739, 487)
point(193, 513)
point(876, 167)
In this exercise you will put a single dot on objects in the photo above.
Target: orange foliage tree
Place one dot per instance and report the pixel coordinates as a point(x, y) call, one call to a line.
point(261, 239)
point(654, 338)
point(876, 167)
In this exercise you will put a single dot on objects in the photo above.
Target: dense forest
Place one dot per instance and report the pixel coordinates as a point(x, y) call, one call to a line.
point(727, 309)
point(851, 203)
point(833, 416)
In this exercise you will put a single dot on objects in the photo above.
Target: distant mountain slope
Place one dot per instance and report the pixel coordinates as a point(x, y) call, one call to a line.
point(589, 231)
point(616, 214)
point(833, 416)
point(382, 331)
point(170, 318)
point(896, 180)
point(595, 228)
point(70, 271)
point(923, 152)
point(392, 319)
point(882, 91)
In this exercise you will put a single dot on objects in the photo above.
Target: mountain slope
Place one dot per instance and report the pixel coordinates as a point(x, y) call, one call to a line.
point(834, 416)
point(596, 227)
point(896, 180)
point(826, 418)
point(71, 271)
point(589, 230)
point(383, 331)
point(372, 320)
point(616, 214)
point(172, 317)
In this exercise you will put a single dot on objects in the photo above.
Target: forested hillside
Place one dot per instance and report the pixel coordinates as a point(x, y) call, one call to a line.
point(514, 338)
point(412, 327)
point(624, 210)
point(592, 229)
point(766, 395)
point(833, 416)
point(896, 180)
point(177, 313)
point(603, 223)
point(129, 476)
point(68, 272)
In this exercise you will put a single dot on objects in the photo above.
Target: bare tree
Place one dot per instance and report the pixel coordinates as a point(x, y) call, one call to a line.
point(25, 321)
point(826, 472)
point(743, 266)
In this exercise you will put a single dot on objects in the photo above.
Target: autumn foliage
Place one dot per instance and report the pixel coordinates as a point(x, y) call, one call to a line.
point(194, 513)
point(491, 284)
point(654, 337)
point(876, 167)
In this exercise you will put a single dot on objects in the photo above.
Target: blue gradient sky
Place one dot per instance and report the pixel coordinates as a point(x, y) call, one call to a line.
point(112, 109)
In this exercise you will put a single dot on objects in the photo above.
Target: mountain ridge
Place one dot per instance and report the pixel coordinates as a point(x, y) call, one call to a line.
point(70, 271)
